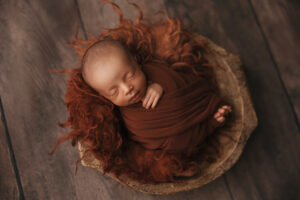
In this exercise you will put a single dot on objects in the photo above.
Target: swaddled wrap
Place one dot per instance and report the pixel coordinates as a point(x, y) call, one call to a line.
point(179, 122)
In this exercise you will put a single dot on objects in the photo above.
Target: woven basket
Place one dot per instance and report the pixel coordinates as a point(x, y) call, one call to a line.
point(239, 125)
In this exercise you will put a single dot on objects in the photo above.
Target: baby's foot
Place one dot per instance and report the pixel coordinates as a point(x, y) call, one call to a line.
point(221, 113)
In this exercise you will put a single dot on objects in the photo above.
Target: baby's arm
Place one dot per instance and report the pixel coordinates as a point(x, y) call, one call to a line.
point(153, 94)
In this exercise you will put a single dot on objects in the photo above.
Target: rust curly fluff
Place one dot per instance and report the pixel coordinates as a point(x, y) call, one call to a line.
point(97, 122)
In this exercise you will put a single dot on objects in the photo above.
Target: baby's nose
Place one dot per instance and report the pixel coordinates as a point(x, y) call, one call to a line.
point(128, 89)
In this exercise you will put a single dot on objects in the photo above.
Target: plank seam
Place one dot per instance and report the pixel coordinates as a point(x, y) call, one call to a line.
point(80, 19)
point(11, 152)
point(228, 187)
point(275, 64)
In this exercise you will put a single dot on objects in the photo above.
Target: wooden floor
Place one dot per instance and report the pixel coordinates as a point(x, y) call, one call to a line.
point(33, 37)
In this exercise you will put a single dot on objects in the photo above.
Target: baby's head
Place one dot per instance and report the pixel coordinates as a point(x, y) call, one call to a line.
point(110, 69)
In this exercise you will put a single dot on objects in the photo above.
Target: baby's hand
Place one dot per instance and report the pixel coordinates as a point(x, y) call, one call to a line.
point(153, 94)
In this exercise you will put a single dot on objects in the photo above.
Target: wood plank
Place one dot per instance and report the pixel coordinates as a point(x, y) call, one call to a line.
point(279, 21)
point(269, 166)
point(8, 184)
point(35, 39)
point(95, 15)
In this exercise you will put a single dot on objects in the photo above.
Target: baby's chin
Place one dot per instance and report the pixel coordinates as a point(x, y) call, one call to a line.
point(129, 104)
point(137, 101)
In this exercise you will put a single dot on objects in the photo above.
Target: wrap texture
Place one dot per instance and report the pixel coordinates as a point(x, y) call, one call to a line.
point(179, 122)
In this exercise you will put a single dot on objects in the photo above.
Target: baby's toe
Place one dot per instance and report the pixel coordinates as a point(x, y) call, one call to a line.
point(227, 108)
point(221, 110)
point(220, 119)
point(217, 114)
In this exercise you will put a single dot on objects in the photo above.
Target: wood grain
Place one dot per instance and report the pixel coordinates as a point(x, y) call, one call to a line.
point(34, 40)
point(279, 23)
point(269, 166)
point(8, 184)
point(97, 15)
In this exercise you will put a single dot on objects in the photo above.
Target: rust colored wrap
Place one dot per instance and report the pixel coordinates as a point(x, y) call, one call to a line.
point(147, 146)
point(179, 122)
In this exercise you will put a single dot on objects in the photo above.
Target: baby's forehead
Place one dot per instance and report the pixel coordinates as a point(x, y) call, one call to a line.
point(114, 62)
point(105, 56)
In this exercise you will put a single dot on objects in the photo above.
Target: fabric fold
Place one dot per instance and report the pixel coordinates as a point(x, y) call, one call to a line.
point(180, 120)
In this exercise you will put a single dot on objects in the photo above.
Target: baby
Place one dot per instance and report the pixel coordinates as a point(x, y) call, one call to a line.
point(110, 69)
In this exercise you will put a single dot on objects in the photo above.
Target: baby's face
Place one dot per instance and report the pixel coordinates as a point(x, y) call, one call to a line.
point(118, 78)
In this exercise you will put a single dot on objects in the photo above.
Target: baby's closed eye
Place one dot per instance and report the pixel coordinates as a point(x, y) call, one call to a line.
point(131, 74)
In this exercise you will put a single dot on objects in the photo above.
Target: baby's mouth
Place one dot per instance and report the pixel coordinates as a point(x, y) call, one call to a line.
point(136, 96)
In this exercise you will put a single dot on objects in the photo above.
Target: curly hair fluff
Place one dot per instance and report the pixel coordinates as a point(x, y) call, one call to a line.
point(97, 121)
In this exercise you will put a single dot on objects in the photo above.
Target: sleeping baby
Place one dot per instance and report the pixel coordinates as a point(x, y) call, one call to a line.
point(162, 108)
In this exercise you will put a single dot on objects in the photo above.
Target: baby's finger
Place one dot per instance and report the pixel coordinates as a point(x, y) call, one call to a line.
point(146, 99)
point(155, 101)
point(150, 101)
point(227, 108)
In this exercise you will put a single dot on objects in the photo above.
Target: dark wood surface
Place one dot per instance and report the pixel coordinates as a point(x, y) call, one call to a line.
point(33, 38)
point(8, 181)
point(280, 28)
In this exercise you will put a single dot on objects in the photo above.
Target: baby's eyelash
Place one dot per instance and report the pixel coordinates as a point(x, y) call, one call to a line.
point(113, 93)
point(131, 75)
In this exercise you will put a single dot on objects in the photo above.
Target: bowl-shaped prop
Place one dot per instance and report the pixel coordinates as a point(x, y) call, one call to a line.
point(241, 123)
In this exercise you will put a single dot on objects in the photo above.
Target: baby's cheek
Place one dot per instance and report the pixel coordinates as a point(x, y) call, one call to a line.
point(144, 93)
